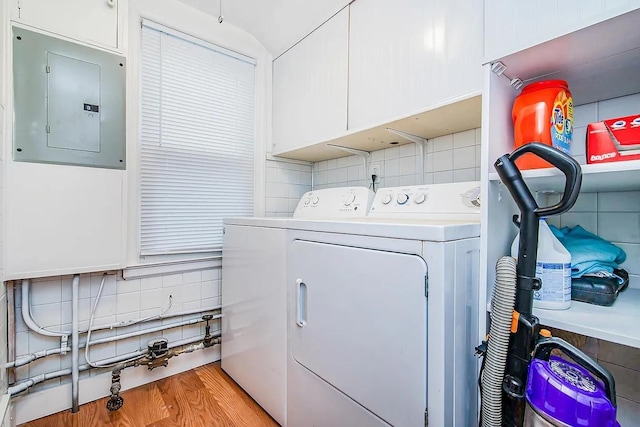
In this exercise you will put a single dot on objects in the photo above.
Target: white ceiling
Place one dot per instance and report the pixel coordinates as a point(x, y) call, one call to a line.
point(277, 24)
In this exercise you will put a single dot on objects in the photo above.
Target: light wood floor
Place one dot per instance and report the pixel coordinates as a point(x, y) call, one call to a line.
point(204, 396)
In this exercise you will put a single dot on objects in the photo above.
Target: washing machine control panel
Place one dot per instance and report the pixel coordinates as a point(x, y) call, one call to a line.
point(344, 202)
point(454, 198)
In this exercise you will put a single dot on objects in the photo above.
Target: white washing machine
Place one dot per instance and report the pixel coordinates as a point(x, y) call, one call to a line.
point(254, 268)
point(382, 313)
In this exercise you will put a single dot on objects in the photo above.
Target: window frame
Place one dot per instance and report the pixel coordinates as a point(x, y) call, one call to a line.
point(184, 20)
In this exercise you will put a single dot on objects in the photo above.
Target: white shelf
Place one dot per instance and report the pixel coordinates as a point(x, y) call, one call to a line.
point(618, 323)
point(596, 66)
point(450, 117)
point(617, 176)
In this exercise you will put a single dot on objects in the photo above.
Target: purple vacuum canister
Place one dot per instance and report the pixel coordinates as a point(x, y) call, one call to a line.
point(567, 393)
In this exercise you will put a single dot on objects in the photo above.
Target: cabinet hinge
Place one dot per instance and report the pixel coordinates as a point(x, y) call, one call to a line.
point(47, 69)
point(426, 418)
point(48, 128)
point(19, 10)
point(426, 285)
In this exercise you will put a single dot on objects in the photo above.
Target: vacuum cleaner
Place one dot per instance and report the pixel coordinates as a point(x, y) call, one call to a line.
point(521, 382)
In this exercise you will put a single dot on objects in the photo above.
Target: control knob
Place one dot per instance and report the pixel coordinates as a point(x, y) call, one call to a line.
point(315, 200)
point(402, 198)
point(386, 199)
point(348, 199)
point(420, 198)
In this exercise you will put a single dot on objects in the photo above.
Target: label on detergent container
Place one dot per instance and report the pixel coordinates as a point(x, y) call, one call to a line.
point(562, 122)
point(556, 282)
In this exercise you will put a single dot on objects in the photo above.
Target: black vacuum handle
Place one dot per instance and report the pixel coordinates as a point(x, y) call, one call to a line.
point(567, 165)
point(543, 351)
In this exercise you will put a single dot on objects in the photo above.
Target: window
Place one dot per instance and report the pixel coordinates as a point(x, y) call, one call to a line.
point(197, 141)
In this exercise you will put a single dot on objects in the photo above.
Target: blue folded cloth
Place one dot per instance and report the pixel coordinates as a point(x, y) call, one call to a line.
point(590, 254)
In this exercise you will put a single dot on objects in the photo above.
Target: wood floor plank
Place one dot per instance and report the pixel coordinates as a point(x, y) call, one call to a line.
point(233, 399)
point(143, 404)
point(205, 396)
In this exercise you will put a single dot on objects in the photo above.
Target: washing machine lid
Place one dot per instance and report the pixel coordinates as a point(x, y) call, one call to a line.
point(268, 222)
point(439, 230)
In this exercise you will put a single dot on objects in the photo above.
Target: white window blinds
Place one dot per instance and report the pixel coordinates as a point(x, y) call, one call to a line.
point(197, 141)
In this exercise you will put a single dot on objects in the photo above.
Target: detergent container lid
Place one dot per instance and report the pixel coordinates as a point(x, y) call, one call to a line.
point(566, 392)
point(546, 84)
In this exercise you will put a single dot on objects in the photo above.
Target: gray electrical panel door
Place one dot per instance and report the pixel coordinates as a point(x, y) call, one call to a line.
point(73, 84)
point(69, 103)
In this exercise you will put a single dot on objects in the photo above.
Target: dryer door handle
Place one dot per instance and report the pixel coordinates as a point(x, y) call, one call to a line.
point(301, 303)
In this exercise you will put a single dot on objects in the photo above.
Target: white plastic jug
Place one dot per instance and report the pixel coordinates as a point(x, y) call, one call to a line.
point(553, 267)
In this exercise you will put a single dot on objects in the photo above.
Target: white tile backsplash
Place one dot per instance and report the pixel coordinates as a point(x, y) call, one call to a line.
point(587, 220)
point(287, 181)
point(391, 168)
point(463, 175)
point(443, 161)
point(623, 201)
point(442, 143)
point(464, 139)
point(51, 291)
point(585, 114)
point(614, 216)
point(587, 202)
point(147, 283)
point(391, 153)
point(619, 226)
point(618, 107)
point(171, 280)
point(407, 165)
point(464, 158)
point(131, 299)
point(407, 180)
point(442, 177)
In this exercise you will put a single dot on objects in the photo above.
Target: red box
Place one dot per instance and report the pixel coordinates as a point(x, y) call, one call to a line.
point(614, 140)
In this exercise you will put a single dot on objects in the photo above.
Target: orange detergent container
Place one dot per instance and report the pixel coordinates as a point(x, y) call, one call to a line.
point(543, 112)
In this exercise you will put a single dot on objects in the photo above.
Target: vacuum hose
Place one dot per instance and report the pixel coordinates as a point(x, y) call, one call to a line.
point(503, 300)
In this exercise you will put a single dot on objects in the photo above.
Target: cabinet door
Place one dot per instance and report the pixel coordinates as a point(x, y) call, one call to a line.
point(310, 87)
point(513, 26)
point(408, 55)
point(91, 21)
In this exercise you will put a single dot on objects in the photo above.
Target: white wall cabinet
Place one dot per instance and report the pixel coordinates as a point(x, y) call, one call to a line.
point(90, 21)
point(409, 55)
point(310, 87)
point(373, 64)
point(597, 67)
point(510, 27)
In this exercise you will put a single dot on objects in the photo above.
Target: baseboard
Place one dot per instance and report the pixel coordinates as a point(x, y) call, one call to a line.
point(46, 402)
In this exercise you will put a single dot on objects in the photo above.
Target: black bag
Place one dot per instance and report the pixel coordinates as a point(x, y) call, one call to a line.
point(598, 290)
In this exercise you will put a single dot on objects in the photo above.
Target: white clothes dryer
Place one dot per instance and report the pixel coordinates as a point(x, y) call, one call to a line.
point(383, 312)
point(254, 269)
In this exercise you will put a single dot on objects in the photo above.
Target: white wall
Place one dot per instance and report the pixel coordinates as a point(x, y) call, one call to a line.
point(126, 299)
point(5, 419)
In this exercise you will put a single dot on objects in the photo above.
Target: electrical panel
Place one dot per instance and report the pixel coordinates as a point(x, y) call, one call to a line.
point(69, 103)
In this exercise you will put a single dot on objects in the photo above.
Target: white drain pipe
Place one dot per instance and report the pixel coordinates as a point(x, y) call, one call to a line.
point(32, 325)
point(24, 385)
point(150, 330)
point(26, 312)
point(75, 343)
